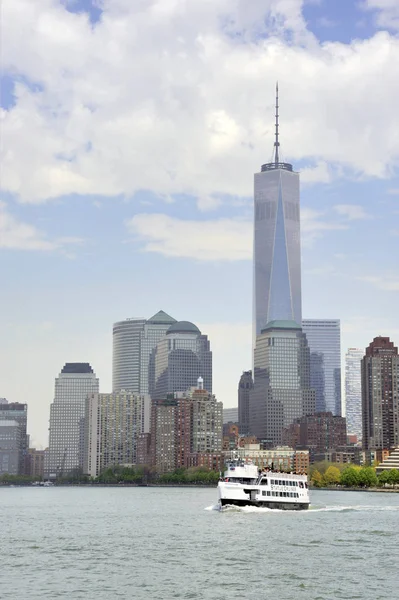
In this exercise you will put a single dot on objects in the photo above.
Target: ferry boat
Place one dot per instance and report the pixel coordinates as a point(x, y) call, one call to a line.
point(244, 484)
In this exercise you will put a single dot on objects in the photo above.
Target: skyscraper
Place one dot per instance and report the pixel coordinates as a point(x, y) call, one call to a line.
point(277, 246)
point(133, 343)
point(353, 392)
point(245, 386)
point(66, 433)
point(281, 391)
point(16, 411)
point(380, 395)
point(181, 357)
point(324, 340)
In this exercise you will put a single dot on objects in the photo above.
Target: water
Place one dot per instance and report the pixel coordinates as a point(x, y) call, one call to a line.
point(165, 543)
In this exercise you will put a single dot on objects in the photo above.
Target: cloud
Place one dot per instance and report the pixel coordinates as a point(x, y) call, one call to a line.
point(353, 212)
point(17, 235)
point(176, 97)
point(387, 12)
point(388, 282)
point(213, 240)
point(393, 192)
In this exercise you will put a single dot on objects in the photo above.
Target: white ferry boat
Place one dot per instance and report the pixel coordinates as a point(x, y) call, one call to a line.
point(244, 485)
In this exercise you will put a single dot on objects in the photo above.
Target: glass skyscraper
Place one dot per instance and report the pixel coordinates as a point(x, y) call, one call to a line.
point(277, 244)
point(353, 392)
point(133, 343)
point(324, 340)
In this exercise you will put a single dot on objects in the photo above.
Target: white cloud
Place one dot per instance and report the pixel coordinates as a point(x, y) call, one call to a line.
point(17, 235)
point(353, 212)
point(177, 97)
point(387, 12)
point(213, 240)
point(388, 282)
point(393, 192)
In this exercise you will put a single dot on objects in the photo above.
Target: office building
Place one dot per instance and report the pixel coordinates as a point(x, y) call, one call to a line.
point(10, 447)
point(245, 386)
point(113, 424)
point(35, 463)
point(281, 391)
point(230, 415)
point(16, 411)
point(380, 395)
point(324, 341)
point(277, 246)
point(180, 358)
point(133, 343)
point(353, 392)
point(66, 432)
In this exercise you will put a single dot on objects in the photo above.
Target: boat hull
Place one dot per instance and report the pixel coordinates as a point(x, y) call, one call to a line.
point(272, 505)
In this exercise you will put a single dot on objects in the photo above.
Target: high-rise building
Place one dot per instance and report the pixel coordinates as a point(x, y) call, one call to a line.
point(277, 246)
point(245, 386)
point(66, 432)
point(113, 424)
point(10, 447)
point(16, 411)
point(36, 462)
point(324, 340)
point(230, 415)
point(281, 391)
point(353, 392)
point(133, 343)
point(318, 433)
point(380, 395)
point(181, 357)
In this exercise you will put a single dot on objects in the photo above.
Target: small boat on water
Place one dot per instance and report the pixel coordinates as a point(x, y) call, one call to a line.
point(244, 484)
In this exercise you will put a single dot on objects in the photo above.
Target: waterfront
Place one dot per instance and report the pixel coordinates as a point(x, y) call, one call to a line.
point(161, 543)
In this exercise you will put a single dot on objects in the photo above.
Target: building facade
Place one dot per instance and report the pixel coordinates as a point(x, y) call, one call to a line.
point(180, 358)
point(230, 415)
point(353, 392)
point(66, 432)
point(318, 433)
point(35, 463)
point(245, 386)
point(324, 341)
point(16, 411)
point(281, 458)
point(281, 391)
point(133, 343)
point(113, 425)
point(380, 395)
point(277, 245)
point(10, 447)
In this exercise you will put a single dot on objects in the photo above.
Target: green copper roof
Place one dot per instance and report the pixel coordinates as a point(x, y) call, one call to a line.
point(282, 325)
point(162, 317)
point(183, 327)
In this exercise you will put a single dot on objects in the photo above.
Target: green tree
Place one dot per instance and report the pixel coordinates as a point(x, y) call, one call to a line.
point(383, 478)
point(332, 476)
point(317, 478)
point(393, 477)
point(367, 477)
point(350, 476)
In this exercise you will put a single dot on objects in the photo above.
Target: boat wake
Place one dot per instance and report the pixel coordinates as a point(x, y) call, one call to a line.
point(312, 509)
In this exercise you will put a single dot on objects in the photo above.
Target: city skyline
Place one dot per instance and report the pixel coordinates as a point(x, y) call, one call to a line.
point(136, 202)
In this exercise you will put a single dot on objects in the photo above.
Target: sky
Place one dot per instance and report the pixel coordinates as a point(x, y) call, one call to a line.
point(130, 134)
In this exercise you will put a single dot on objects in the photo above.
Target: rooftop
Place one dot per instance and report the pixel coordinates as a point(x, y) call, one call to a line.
point(77, 368)
point(184, 327)
point(162, 318)
point(281, 325)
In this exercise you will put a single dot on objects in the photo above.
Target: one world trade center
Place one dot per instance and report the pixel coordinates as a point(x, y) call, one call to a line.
point(277, 245)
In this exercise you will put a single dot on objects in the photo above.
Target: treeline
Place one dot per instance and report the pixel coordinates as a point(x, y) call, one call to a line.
point(7, 479)
point(143, 476)
point(351, 476)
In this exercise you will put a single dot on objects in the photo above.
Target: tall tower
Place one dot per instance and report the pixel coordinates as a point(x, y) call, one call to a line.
point(353, 392)
point(380, 395)
point(66, 432)
point(277, 246)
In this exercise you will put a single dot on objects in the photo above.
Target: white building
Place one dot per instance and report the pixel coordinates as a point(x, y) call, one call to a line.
point(67, 412)
point(353, 392)
point(113, 423)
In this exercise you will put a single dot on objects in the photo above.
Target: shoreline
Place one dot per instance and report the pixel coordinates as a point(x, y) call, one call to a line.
point(355, 489)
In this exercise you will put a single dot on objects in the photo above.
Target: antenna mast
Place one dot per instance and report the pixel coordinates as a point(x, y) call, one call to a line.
point(276, 143)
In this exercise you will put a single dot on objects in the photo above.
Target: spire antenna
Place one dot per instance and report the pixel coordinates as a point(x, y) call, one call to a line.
point(276, 143)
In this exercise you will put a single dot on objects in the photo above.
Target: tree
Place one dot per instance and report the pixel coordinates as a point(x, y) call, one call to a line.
point(350, 477)
point(317, 478)
point(367, 477)
point(393, 477)
point(332, 476)
point(383, 478)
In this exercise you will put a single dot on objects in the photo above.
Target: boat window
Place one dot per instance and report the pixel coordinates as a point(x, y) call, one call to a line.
point(301, 484)
point(306, 484)
point(263, 482)
point(268, 493)
point(280, 482)
point(263, 493)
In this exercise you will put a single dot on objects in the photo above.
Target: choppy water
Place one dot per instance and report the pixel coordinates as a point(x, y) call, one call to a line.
point(165, 543)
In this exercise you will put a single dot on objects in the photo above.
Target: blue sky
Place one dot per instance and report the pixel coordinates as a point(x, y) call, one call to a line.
point(131, 133)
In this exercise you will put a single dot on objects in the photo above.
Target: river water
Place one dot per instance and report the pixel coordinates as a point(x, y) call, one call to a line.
point(164, 543)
